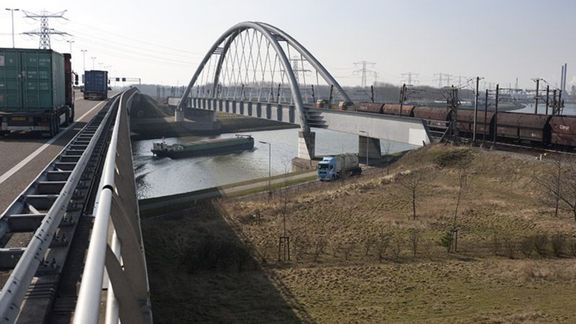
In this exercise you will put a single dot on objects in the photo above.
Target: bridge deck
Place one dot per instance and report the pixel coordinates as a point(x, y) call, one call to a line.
point(16, 175)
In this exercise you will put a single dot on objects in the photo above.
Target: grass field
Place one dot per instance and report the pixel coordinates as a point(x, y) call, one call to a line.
point(358, 255)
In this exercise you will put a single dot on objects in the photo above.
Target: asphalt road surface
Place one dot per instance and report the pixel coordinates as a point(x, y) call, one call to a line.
point(23, 158)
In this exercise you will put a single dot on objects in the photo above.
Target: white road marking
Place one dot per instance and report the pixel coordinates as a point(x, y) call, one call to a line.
point(34, 154)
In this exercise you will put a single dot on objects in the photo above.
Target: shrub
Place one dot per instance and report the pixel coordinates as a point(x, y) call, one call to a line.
point(347, 248)
point(558, 243)
point(572, 247)
point(382, 244)
point(396, 247)
point(318, 246)
point(527, 246)
point(496, 243)
point(509, 246)
point(368, 243)
point(447, 240)
point(454, 158)
point(541, 244)
point(414, 240)
point(301, 246)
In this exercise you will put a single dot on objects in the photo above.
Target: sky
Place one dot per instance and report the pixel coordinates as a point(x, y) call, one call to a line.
point(164, 41)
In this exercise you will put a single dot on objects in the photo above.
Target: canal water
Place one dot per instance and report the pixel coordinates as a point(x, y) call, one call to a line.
point(569, 109)
point(163, 176)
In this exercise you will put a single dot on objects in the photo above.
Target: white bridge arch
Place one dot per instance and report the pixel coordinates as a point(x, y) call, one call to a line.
point(241, 59)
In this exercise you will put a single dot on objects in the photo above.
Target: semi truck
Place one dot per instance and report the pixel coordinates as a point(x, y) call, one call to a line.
point(96, 85)
point(338, 166)
point(36, 92)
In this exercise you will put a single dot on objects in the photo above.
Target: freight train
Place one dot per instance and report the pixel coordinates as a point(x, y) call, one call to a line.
point(36, 92)
point(547, 130)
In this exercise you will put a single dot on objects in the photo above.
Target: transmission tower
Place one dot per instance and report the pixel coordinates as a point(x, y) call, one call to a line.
point(298, 66)
point(45, 31)
point(364, 70)
point(440, 77)
point(409, 78)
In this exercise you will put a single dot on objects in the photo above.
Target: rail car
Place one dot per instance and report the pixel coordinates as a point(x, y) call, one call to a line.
point(535, 129)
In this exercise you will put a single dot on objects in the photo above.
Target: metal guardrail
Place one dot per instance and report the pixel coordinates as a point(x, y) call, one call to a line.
point(55, 191)
point(128, 292)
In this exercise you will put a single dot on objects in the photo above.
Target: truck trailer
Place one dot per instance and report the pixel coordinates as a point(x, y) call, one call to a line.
point(338, 166)
point(96, 85)
point(36, 92)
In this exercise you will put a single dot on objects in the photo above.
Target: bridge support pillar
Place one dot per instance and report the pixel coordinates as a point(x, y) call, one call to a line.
point(179, 115)
point(306, 145)
point(368, 146)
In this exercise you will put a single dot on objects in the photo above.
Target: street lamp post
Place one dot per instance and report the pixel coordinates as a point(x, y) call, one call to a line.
point(269, 165)
point(12, 13)
point(476, 94)
point(83, 59)
point(70, 43)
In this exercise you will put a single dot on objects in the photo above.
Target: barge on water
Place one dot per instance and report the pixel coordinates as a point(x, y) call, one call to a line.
point(218, 146)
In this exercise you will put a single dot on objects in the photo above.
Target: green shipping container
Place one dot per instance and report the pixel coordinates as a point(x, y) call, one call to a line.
point(31, 80)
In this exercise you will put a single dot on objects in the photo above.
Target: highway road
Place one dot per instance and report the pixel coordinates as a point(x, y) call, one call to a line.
point(23, 158)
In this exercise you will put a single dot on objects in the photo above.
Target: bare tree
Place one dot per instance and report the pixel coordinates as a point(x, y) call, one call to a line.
point(414, 235)
point(561, 186)
point(318, 246)
point(284, 238)
point(462, 187)
point(382, 244)
point(347, 249)
point(368, 243)
point(386, 151)
point(396, 247)
point(411, 184)
point(301, 246)
point(557, 185)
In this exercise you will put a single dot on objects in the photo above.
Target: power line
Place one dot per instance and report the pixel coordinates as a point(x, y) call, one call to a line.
point(103, 45)
point(364, 70)
point(440, 77)
point(45, 31)
point(409, 78)
point(156, 50)
point(147, 44)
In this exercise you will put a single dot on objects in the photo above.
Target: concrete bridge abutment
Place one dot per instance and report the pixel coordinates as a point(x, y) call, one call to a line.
point(306, 145)
point(178, 115)
point(368, 146)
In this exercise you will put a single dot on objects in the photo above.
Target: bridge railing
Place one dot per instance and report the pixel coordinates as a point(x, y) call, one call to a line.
point(123, 255)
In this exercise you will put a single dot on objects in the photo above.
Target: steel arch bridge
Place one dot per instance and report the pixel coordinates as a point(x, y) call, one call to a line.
point(257, 62)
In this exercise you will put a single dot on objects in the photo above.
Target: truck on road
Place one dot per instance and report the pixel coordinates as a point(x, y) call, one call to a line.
point(337, 166)
point(96, 85)
point(36, 92)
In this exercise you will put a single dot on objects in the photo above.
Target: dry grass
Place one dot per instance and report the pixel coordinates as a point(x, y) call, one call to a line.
point(491, 292)
point(357, 256)
point(500, 204)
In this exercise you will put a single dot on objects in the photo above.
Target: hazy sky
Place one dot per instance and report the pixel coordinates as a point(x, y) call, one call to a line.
point(163, 41)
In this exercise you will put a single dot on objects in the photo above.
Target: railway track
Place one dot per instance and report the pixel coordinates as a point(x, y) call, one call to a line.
point(526, 149)
point(44, 232)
